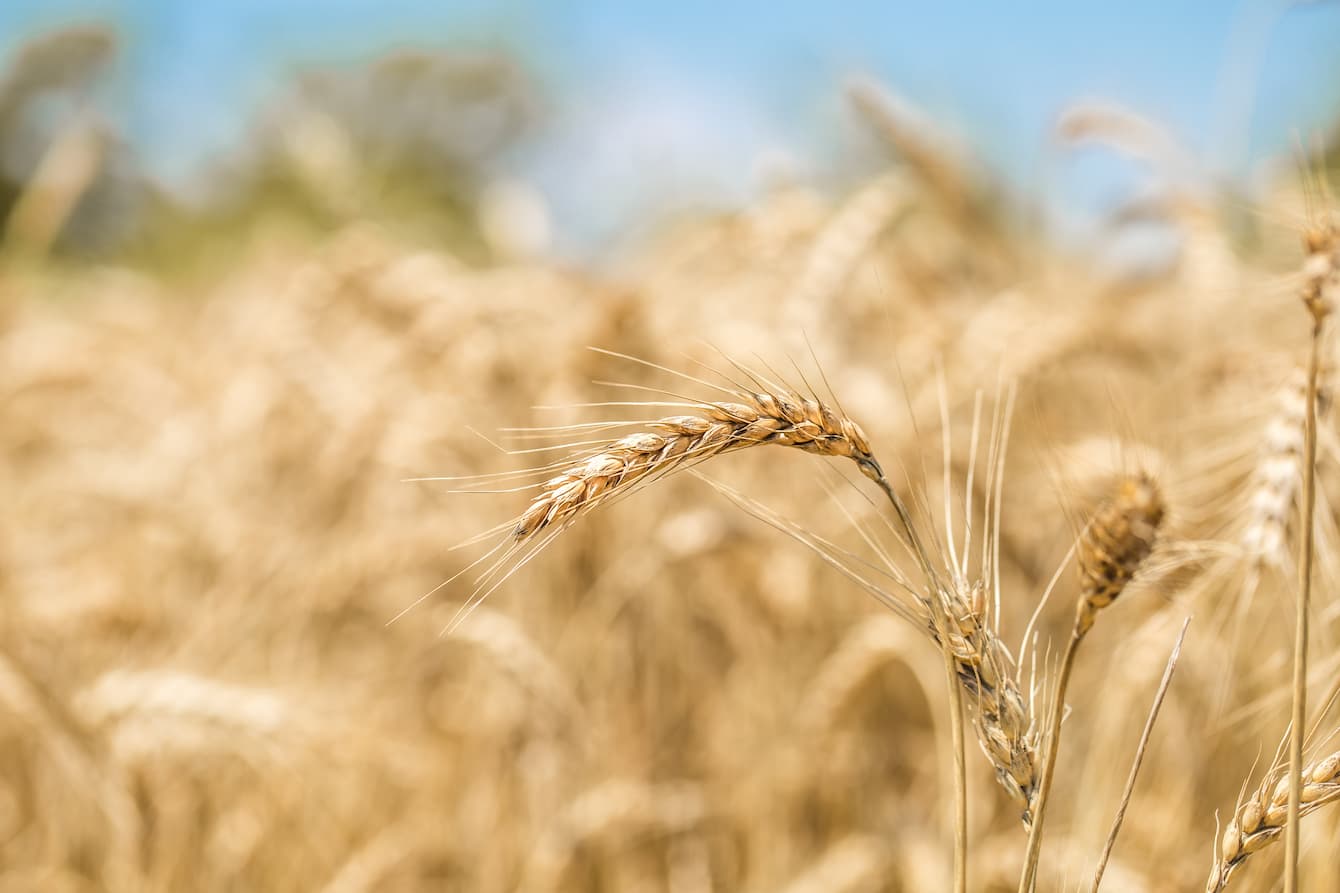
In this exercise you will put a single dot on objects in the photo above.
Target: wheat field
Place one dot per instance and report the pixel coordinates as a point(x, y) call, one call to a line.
point(233, 492)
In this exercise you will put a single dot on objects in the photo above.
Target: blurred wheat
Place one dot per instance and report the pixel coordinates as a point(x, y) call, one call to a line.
point(207, 528)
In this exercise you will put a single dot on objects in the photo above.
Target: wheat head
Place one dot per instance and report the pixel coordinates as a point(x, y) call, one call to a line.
point(678, 441)
point(1260, 821)
point(1116, 542)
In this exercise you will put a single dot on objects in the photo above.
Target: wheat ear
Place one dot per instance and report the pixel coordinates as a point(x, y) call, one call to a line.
point(1322, 270)
point(1001, 715)
point(1112, 547)
point(678, 441)
point(983, 665)
point(1260, 821)
point(1277, 477)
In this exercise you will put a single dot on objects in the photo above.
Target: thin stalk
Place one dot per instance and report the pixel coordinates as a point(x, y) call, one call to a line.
point(1139, 758)
point(1029, 876)
point(960, 764)
point(1297, 724)
point(951, 679)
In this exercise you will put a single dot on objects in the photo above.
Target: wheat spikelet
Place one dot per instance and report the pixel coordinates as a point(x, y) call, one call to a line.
point(1001, 714)
point(1277, 477)
point(1116, 542)
point(982, 664)
point(677, 441)
point(1321, 268)
point(1121, 129)
point(1260, 820)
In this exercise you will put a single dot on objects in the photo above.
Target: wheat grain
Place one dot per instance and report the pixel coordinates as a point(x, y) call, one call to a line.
point(1259, 821)
point(1115, 544)
point(1001, 714)
point(1277, 477)
point(678, 441)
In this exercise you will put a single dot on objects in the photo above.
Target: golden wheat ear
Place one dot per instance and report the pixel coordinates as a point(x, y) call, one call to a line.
point(1259, 821)
point(1111, 549)
point(758, 412)
point(1115, 545)
point(677, 442)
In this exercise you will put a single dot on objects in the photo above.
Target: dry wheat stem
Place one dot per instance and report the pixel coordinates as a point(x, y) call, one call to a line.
point(956, 734)
point(1139, 757)
point(1260, 821)
point(1112, 547)
point(1002, 717)
point(1321, 267)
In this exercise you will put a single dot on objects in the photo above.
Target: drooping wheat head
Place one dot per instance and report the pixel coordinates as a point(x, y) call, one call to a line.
point(676, 442)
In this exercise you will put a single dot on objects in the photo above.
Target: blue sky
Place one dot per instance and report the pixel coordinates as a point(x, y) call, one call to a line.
point(699, 91)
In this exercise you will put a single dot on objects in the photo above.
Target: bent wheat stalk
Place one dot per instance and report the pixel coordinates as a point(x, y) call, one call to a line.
point(676, 442)
point(591, 477)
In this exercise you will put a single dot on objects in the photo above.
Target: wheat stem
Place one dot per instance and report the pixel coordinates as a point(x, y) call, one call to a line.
point(1297, 729)
point(1111, 549)
point(957, 739)
point(1139, 757)
point(1029, 876)
point(935, 601)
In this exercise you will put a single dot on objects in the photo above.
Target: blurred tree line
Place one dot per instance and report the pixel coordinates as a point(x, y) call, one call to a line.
point(413, 137)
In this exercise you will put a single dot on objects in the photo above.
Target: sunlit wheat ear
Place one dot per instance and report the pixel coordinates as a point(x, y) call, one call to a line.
point(936, 159)
point(1111, 549)
point(1002, 713)
point(600, 471)
point(1259, 821)
point(1278, 475)
point(1115, 544)
point(1321, 266)
point(967, 592)
point(676, 442)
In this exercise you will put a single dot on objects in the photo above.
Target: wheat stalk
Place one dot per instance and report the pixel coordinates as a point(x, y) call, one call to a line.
point(1260, 821)
point(1322, 270)
point(1112, 548)
point(981, 666)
